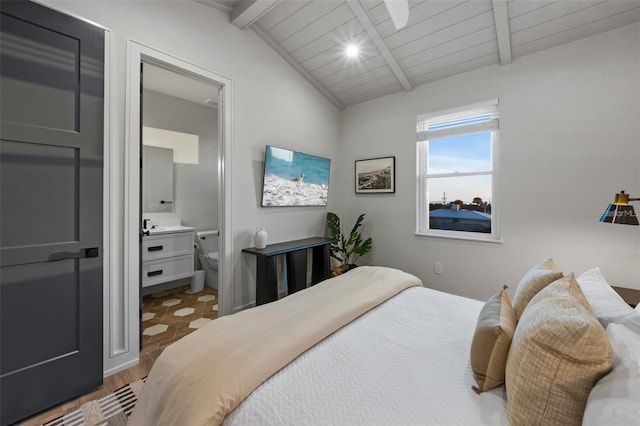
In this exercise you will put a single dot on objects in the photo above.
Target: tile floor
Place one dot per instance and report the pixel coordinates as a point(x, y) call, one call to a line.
point(172, 314)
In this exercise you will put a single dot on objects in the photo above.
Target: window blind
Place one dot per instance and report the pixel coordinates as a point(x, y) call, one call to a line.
point(481, 118)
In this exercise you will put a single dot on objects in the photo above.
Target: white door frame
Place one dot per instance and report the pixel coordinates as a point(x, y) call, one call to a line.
point(138, 53)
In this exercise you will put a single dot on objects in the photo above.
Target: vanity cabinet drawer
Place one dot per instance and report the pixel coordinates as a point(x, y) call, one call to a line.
point(162, 246)
point(173, 268)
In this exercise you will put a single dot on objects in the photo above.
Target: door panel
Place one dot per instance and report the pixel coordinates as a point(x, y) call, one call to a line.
point(51, 144)
point(42, 73)
point(40, 290)
point(52, 172)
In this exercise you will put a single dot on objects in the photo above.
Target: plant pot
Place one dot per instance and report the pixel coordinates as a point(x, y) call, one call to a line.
point(341, 269)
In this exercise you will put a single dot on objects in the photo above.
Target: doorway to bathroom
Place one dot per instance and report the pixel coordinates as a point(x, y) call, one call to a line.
point(178, 205)
point(179, 124)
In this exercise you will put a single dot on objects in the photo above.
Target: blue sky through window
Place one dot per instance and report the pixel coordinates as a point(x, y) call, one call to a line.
point(468, 153)
point(460, 154)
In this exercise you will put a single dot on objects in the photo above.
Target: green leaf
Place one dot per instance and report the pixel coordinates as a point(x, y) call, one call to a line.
point(336, 257)
point(333, 224)
point(343, 249)
point(364, 248)
point(358, 223)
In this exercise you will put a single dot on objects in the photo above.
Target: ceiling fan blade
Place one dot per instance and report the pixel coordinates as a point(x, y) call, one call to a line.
point(399, 12)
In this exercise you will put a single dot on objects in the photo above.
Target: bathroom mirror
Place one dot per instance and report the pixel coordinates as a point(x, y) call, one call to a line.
point(157, 179)
point(179, 113)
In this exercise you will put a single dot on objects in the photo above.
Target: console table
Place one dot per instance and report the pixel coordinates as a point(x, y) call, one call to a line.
point(296, 259)
point(630, 295)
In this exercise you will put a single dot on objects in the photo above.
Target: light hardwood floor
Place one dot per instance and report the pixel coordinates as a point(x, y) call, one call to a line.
point(111, 384)
point(180, 310)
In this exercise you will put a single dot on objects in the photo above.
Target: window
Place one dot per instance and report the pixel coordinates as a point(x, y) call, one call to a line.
point(456, 171)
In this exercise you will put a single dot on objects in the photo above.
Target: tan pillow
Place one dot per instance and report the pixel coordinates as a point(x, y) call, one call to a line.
point(491, 341)
point(559, 351)
point(537, 278)
point(566, 286)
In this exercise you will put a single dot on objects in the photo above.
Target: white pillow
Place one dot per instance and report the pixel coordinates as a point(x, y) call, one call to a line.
point(614, 400)
point(638, 307)
point(607, 305)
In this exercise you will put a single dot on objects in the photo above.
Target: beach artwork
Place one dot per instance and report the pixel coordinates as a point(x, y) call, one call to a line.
point(293, 178)
point(376, 175)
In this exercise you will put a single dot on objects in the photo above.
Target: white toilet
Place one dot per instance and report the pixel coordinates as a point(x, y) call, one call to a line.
point(208, 255)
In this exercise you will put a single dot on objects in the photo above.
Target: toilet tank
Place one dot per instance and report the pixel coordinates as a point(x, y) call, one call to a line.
point(208, 241)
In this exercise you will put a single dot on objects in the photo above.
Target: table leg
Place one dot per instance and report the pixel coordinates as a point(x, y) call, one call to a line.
point(321, 266)
point(297, 270)
point(266, 280)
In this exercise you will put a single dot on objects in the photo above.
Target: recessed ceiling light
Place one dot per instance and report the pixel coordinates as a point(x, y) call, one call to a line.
point(352, 50)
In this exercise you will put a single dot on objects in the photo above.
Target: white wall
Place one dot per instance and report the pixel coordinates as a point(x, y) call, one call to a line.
point(569, 140)
point(272, 104)
point(195, 185)
point(568, 115)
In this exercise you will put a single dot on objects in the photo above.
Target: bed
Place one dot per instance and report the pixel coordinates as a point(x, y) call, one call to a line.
point(374, 346)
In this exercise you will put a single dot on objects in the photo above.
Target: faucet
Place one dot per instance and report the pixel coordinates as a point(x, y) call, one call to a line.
point(145, 222)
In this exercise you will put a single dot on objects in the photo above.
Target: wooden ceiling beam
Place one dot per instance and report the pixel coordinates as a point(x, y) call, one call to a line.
point(501, 17)
point(217, 5)
point(375, 36)
point(247, 12)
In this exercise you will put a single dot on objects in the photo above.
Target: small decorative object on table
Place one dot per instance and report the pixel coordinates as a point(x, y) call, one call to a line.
point(260, 238)
point(344, 250)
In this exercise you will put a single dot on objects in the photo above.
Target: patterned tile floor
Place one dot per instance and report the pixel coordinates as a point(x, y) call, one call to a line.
point(172, 314)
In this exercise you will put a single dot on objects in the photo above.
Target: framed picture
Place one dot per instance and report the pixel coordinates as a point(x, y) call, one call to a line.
point(376, 175)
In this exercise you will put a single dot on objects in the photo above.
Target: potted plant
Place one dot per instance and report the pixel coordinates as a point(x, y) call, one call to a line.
point(346, 249)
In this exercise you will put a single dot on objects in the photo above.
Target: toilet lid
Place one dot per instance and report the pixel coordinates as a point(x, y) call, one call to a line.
point(213, 255)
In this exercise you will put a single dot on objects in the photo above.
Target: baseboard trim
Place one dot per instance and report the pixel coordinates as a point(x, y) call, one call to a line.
point(243, 307)
point(120, 367)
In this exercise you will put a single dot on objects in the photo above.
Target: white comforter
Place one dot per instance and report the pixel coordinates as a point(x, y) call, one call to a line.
point(405, 362)
point(204, 376)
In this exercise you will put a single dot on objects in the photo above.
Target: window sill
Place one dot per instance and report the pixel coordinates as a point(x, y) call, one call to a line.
point(459, 237)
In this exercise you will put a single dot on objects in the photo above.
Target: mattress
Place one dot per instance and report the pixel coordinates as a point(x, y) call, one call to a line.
point(204, 376)
point(404, 362)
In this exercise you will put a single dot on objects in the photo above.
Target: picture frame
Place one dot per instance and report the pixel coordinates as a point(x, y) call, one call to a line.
point(375, 175)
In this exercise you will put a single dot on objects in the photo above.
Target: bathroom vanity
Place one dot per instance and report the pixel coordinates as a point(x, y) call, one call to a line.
point(167, 254)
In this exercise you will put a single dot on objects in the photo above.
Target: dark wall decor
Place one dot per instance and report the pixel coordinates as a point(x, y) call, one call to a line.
point(375, 175)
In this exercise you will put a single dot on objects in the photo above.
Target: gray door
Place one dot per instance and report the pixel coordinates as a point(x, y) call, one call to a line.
point(51, 151)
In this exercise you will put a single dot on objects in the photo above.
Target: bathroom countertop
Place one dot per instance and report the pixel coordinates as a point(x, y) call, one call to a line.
point(159, 230)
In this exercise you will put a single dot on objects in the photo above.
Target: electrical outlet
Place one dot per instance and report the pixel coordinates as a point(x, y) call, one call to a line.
point(438, 268)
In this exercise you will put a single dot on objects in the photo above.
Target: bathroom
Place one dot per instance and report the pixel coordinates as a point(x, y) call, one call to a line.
point(179, 205)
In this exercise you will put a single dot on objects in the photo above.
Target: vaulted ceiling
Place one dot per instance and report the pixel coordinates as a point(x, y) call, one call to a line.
point(442, 37)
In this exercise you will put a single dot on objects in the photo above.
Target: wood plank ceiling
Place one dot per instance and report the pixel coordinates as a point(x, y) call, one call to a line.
point(442, 37)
